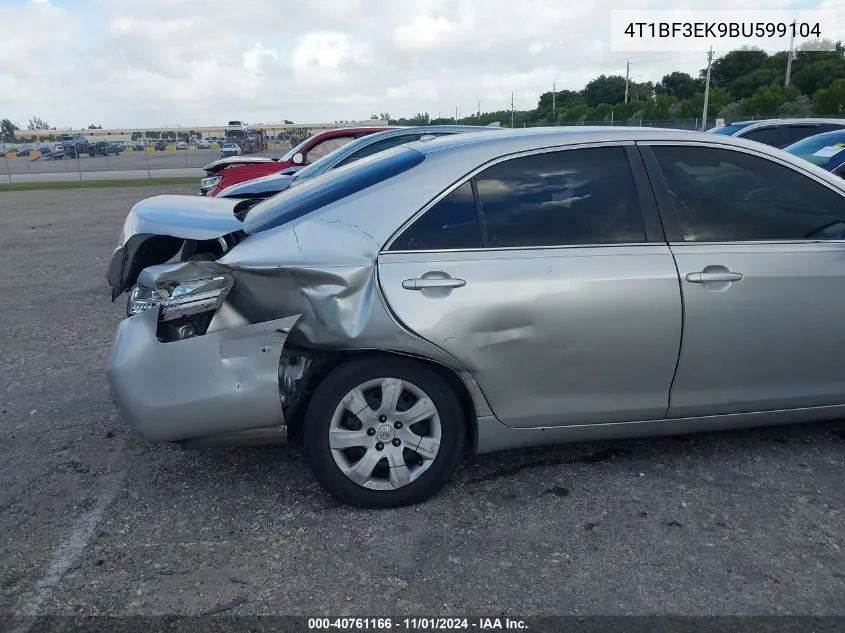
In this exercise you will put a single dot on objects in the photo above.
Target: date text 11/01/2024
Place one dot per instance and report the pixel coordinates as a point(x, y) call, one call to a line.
point(415, 624)
point(723, 29)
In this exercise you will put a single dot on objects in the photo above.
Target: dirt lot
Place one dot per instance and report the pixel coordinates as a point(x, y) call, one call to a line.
point(96, 521)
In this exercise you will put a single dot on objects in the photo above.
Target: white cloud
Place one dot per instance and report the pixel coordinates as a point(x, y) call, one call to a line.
point(255, 58)
point(193, 62)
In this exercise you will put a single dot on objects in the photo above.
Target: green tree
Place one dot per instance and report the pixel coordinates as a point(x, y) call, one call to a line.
point(37, 123)
point(731, 71)
point(814, 70)
point(830, 100)
point(7, 131)
point(659, 107)
point(731, 112)
point(767, 100)
point(679, 85)
point(605, 89)
point(798, 108)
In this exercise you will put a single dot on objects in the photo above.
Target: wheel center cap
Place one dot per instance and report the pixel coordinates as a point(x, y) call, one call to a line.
point(385, 433)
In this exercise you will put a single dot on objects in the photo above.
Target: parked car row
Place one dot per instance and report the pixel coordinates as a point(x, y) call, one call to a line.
point(396, 304)
point(73, 145)
point(223, 173)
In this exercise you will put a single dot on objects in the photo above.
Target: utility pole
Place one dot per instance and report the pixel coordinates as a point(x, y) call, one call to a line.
point(511, 109)
point(554, 87)
point(791, 52)
point(456, 114)
point(627, 75)
point(706, 90)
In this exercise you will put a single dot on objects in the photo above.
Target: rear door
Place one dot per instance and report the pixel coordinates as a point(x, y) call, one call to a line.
point(547, 276)
point(760, 248)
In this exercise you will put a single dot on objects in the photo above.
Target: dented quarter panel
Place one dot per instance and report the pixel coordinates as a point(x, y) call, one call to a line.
point(223, 382)
point(324, 268)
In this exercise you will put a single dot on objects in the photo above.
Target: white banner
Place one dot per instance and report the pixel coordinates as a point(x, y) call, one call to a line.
point(724, 30)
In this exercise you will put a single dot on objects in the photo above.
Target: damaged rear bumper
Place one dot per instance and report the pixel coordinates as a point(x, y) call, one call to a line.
point(218, 383)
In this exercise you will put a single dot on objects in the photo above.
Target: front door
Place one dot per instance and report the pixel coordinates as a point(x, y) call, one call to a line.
point(540, 277)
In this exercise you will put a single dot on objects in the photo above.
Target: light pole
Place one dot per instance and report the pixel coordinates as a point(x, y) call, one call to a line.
point(791, 52)
point(511, 109)
point(706, 91)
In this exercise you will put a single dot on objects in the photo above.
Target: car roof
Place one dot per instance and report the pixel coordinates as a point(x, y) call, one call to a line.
point(793, 121)
point(531, 138)
point(342, 131)
point(431, 129)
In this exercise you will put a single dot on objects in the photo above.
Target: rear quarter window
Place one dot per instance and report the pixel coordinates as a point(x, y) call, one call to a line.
point(334, 185)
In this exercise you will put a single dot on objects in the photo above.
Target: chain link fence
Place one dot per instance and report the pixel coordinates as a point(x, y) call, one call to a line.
point(677, 124)
point(179, 152)
point(100, 155)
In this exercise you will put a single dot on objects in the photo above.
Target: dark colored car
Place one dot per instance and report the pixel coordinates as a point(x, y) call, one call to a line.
point(160, 146)
point(779, 132)
point(138, 147)
point(74, 145)
point(102, 148)
point(825, 150)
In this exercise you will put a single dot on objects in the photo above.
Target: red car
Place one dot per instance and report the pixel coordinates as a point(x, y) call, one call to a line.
point(229, 171)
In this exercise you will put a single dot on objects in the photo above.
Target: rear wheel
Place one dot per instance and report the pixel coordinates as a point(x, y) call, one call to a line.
point(383, 432)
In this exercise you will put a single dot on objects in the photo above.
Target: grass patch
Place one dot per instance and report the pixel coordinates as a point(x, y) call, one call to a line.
point(97, 184)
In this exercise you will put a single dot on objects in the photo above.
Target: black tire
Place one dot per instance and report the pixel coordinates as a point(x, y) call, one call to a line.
point(331, 391)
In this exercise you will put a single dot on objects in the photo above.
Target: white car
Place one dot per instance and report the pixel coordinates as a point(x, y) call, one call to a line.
point(181, 145)
point(229, 149)
point(204, 144)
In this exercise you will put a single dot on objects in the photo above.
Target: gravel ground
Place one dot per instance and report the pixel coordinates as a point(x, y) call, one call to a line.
point(95, 521)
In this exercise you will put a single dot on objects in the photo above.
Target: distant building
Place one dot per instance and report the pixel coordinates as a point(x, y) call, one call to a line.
point(272, 130)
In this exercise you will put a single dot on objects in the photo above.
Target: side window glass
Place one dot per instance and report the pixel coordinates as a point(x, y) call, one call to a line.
point(582, 196)
point(728, 196)
point(828, 127)
point(765, 135)
point(327, 146)
point(452, 223)
point(795, 133)
point(377, 147)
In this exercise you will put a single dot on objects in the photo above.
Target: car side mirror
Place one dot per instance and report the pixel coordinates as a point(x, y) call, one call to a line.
point(298, 158)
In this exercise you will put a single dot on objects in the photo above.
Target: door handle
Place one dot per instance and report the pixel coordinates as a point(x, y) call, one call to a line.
point(704, 277)
point(420, 283)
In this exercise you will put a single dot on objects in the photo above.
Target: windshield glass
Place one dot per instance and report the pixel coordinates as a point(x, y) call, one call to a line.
point(298, 148)
point(318, 167)
point(820, 149)
point(328, 188)
point(730, 129)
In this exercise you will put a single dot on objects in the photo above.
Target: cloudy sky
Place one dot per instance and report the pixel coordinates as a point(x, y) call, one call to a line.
point(131, 63)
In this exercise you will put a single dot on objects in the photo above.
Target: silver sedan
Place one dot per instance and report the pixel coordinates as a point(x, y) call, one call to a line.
point(484, 292)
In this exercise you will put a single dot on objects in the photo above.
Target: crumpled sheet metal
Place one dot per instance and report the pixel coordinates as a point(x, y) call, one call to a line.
point(326, 271)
